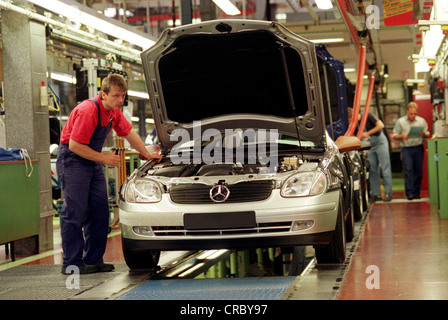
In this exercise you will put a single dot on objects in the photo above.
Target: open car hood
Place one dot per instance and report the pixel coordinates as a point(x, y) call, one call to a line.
point(230, 74)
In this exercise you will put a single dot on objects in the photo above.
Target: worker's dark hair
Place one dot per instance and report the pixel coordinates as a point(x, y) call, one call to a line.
point(113, 79)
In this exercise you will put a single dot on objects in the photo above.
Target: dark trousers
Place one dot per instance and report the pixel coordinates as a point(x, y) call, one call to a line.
point(85, 213)
point(412, 158)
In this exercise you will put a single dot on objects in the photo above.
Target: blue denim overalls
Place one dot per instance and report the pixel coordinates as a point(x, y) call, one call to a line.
point(85, 205)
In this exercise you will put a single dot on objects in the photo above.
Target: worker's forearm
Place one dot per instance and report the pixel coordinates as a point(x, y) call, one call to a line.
point(137, 143)
point(85, 151)
point(88, 153)
point(399, 136)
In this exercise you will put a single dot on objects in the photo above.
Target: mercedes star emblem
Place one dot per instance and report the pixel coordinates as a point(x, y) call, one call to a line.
point(219, 193)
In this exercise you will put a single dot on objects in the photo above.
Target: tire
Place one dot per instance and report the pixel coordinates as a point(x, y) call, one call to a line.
point(364, 189)
point(358, 204)
point(349, 215)
point(334, 252)
point(140, 259)
point(350, 224)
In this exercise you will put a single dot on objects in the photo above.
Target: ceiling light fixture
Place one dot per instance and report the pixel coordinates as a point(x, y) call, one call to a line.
point(138, 94)
point(410, 82)
point(228, 7)
point(324, 4)
point(78, 13)
point(63, 77)
point(329, 40)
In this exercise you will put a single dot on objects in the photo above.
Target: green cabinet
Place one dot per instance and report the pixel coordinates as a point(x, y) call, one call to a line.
point(438, 174)
point(19, 201)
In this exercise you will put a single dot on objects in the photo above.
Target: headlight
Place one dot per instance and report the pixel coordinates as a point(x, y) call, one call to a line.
point(143, 190)
point(305, 184)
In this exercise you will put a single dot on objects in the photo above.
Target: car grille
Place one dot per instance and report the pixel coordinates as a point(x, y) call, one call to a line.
point(239, 192)
point(260, 228)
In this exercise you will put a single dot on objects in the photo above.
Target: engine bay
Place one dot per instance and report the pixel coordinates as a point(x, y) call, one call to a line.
point(286, 164)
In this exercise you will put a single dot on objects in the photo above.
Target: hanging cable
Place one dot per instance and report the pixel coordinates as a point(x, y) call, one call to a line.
point(367, 105)
point(55, 99)
point(358, 90)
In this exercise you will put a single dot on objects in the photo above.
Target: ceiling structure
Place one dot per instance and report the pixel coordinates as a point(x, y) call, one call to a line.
point(387, 45)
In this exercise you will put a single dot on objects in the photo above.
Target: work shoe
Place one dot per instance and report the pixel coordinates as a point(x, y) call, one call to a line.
point(105, 267)
point(388, 197)
point(376, 198)
point(84, 269)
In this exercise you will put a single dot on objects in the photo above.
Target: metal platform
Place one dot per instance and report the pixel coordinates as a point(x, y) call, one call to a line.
point(267, 288)
point(45, 282)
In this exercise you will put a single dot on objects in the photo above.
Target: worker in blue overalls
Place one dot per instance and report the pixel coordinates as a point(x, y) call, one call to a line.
point(85, 212)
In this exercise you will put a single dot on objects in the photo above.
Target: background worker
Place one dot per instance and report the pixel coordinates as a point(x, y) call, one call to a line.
point(412, 151)
point(379, 157)
point(85, 212)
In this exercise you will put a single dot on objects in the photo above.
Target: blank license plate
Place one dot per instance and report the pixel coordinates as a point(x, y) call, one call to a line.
point(223, 220)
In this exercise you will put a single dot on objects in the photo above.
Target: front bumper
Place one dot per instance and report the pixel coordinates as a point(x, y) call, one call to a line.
point(321, 210)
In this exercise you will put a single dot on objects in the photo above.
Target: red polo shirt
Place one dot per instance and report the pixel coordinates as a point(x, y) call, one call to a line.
point(84, 118)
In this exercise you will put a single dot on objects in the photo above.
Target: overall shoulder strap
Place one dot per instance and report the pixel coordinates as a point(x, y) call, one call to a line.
point(99, 110)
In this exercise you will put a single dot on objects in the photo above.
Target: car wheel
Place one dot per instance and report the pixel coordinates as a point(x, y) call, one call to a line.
point(334, 252)
point(140, 259)
point(364, 189)
point(358, 204)
point(349, 214)
point(350, 223)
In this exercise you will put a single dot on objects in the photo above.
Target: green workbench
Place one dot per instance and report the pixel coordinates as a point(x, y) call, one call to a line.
point(19, 201)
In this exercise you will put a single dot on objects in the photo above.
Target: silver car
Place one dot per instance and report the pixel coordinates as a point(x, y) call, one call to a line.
point(247, 161)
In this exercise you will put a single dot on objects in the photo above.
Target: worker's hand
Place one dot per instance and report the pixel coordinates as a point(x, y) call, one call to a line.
point(365, 135)
point(153, 153)
point(405, 136)
point(111, 159)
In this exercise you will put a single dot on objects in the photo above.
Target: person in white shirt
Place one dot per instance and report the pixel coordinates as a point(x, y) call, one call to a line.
point(412, 152)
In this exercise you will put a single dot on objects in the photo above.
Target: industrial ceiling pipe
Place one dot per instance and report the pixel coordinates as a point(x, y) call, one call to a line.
point(100, 43)
point(367, 105)
point(358, 90)
point(343, 8)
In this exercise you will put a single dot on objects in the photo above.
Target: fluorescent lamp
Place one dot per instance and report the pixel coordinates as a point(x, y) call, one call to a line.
point(432, 40)
point(421, 65)
point(329, 40)
point(112, 12)
point(138, 94)
point(324, 4)
point(217, 254)
point(349, 69)
point(63, 77)
point(228, 7)
point(183, 274)
point(410, 82)
point(78, 13)
point(147, 120)
point(178, 22)
point(205, 254)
